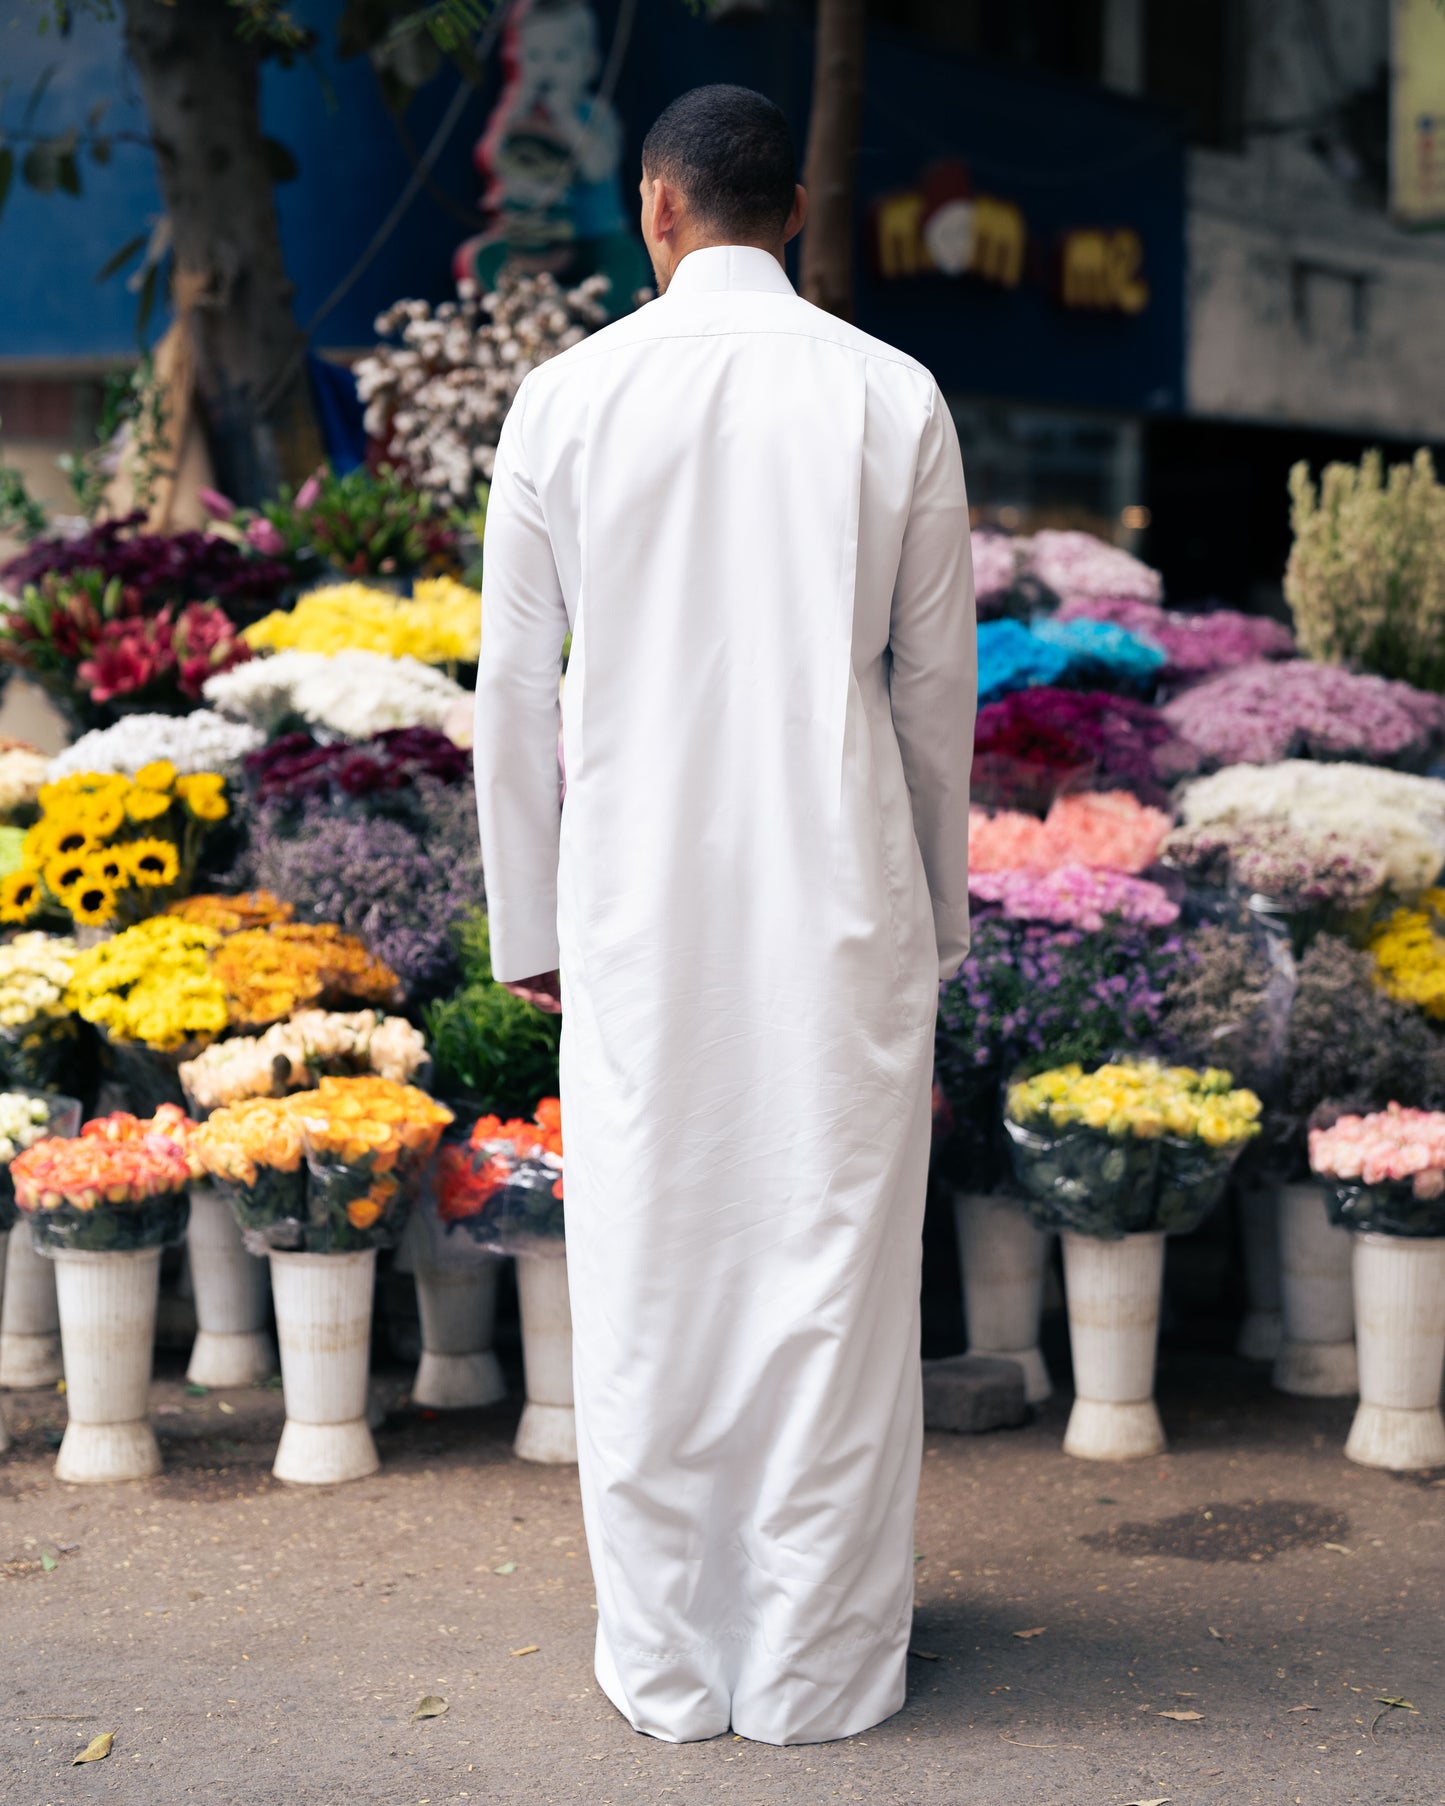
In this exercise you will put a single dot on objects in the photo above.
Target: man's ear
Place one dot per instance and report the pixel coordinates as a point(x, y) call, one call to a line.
point(666, 208)
point(798, 214)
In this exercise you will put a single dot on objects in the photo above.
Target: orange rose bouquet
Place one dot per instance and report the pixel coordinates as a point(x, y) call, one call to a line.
point(253, 1153)
point(368, 1142)
point(120, 1184)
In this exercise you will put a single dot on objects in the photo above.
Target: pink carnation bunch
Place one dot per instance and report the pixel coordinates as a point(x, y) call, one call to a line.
point(1393, 1143)
point(1076, 564)
point(1074, 896)
point(995, 564)
point(1259, 714)
point(1108, 830)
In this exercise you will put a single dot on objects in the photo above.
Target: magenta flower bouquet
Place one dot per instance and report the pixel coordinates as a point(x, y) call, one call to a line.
point(1193, 644)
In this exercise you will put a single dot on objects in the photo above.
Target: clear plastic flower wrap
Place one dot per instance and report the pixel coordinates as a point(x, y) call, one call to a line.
point(120, 1184)
point(1389, 1207)
point(149, 1076)
point(1133, 1146)
point(502, 1187)
point(25, 1118)
point(46, 1051)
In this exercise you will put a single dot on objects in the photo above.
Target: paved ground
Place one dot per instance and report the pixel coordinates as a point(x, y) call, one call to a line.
point(250, 1643)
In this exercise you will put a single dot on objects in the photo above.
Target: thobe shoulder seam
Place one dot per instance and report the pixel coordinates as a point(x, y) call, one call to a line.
point(585, 353)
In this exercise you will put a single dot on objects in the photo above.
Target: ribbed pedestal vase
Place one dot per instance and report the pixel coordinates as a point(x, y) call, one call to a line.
point(1317, 1356)
point(1400, 1329)
point(4, 1249)
point(233, 1295)
point(107, 1329)
point(1262, 1330)
point(29, 1317)
point(1112, 1289)
point(458, 1306)
point(323, 1326)
point(548, 1430)
point(1002, 1254)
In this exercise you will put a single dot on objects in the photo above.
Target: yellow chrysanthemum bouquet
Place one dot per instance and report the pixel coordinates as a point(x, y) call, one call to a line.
point(1409, 950)
point(109, 849)
point(440, 623)
point(1131, 1146)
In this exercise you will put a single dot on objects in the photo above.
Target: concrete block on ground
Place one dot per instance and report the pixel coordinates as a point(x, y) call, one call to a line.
point(968, 1394)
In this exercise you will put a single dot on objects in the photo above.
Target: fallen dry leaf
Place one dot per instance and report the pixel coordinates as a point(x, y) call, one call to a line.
point(1183, 1717)
point(230, 1410)
point(507, 1567)
point(96, 1750)
point(527, 1649)
point(430, 1705)
point(1304, 1708)
point(1339, 1548)
point(923, 1655)
point(1218, 1635)
point(1163, 1802)
point(1393, 1699)
point(1024, 1635)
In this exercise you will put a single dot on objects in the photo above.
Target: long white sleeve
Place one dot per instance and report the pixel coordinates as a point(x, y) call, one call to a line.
point(934, 686)
point(519, 806)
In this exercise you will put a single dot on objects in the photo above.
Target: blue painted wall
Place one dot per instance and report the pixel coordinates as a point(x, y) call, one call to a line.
point(1069, 156)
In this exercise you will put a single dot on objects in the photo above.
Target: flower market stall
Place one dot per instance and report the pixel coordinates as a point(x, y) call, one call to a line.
point(245, 931)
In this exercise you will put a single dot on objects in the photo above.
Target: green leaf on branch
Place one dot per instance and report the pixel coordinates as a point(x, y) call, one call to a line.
point(119, 259)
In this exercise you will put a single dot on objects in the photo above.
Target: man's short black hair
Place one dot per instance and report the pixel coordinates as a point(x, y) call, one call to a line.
point(731, 153)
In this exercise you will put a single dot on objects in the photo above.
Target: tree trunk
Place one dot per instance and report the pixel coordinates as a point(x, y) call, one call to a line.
point(201, 85)
point(830, 170)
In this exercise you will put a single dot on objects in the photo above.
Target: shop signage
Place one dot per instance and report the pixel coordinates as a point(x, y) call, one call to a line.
point(941, 226)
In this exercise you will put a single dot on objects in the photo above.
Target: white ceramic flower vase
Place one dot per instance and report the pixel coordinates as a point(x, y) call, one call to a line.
point(1316, 1359)
point(233, 1295)
point(1002, 1253)
point(107, 1329)
point(29, 1317)
point(1113, 1291)
point(4, 1248)
point(1399, 1287)
point(548, 1429)
point(1262, 1330)
point(323, 1326)
point(458, 1307)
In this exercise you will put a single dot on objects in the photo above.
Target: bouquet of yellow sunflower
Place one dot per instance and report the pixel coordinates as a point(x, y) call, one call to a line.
point(110, 849)
point(1132, 1146)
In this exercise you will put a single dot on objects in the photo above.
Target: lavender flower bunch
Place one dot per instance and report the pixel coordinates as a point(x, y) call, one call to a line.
point(1031, 996)
point(1259, 714)
point(400, 888)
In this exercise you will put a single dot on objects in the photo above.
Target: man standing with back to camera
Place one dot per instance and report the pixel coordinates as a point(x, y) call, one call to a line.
point(752, 519)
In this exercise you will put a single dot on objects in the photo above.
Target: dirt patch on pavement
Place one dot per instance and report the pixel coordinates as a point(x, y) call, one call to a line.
point(1243, 1530)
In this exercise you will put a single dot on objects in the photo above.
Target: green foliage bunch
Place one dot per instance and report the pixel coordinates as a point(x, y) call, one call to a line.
point(490, 1050)
point(1366, 574)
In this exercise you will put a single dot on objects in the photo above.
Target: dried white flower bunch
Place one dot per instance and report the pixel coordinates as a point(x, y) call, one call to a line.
point(438, 399)
point(1366, 574)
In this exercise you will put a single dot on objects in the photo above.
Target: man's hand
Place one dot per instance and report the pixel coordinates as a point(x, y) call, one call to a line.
point(544, 992)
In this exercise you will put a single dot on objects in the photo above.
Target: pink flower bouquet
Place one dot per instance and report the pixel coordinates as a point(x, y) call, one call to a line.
point(1259, 714)
point(1107, 830)
point(1384, 1172)
point(1073, 896)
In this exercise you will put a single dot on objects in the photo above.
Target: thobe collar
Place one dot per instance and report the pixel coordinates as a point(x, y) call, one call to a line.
point(717, 267)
